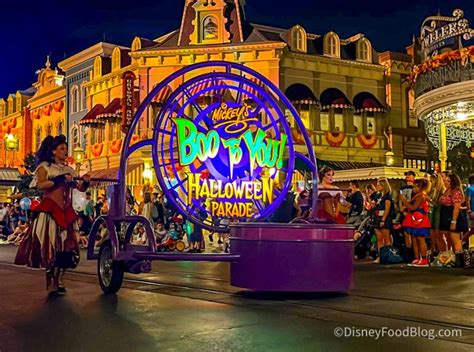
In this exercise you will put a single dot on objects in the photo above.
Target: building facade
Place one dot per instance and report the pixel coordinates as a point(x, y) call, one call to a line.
point(443, 85)
point(47, 106)
point(15, 128)
point(354, 102)
point(77, 71)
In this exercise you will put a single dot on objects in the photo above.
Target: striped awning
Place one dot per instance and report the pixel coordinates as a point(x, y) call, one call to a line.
point(299, 94)
point(333, 98)
point(207, 84)
point(9, 176)
point(112, 112)
point(254, 91)
point(340, 103)
point(371, 105)
point(163, 95)
point(90, 119)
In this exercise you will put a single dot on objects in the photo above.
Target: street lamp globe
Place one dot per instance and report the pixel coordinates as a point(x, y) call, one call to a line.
point(78, 154)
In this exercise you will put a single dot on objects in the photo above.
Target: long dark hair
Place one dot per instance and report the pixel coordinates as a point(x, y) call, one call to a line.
point(45, 151)
point(455, 182)
point(323, 171)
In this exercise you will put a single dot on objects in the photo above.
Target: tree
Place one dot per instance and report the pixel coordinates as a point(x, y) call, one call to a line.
point(460, 161)
point(23, 186)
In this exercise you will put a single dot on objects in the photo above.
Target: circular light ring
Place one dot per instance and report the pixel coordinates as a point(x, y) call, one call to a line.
point(269, 98)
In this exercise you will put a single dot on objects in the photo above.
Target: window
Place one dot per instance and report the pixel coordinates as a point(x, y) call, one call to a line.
point(118, 131)
point(209, 28)
point(136, 44)
point(116, 59)
point(364, 50)
point(338, 120)
point(412, 119)
point(97, 67)
point(49, 129)
point(18, 102)
point(38, 138)
point(304, 115)
point(324, 119)
point(331, 45)
point(84, 137)
point(371, 125)
point(298, 39)
point(358, 124)
point(111, 131)
point(11, 106)
point(60, 127)
point(74, 99)
point(83, 99)
point(75, 136)
point(101, 137)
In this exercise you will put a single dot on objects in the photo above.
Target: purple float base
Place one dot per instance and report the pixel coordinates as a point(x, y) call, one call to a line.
point(292, 257)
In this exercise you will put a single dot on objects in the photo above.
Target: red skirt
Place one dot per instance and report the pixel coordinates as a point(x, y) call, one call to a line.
point(46, 236)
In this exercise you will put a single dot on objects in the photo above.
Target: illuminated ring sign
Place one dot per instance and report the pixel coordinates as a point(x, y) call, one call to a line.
point(222, 146)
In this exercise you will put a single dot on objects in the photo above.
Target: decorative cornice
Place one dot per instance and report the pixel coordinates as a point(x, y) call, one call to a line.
point(333, 61)
point(443, 96)
point(206, 49)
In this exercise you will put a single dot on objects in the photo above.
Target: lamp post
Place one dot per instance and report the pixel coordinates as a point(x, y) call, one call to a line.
point(78, 154)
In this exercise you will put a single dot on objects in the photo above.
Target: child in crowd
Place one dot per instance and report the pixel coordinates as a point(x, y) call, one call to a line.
point(417, 222)
point(160, 232)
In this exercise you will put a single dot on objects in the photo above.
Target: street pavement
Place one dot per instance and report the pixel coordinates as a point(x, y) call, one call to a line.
point(185, 306)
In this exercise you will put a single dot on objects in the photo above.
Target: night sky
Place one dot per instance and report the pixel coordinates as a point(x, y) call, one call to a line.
point(30, 31)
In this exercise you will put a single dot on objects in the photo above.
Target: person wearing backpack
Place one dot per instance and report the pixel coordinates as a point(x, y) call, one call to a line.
point(417, 222)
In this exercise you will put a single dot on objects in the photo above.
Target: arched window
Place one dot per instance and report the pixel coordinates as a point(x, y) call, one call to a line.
point(75, 136)
point(332, 45)
point(74, 99)
point(364, 50)
point(209, 28)
point(298, 39)
point(136, 44)
point(84, 137)
point(38, 138)
point(97, 67)
point(60, 127)
point(116, 59)
point(83, 99)
point(49, 129)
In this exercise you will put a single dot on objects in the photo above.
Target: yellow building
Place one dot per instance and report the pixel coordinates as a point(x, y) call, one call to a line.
point(47, 106)
point(15, 129)
point(351, 99)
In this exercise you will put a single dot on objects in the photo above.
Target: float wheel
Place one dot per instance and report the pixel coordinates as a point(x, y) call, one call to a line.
point(110, 272)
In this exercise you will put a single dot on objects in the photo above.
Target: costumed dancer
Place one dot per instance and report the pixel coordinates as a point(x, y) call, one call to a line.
point(329, 198)
point(52, 241)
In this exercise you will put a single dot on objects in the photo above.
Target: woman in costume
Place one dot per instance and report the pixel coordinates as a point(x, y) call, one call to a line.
point(329, 198)
point(52, 241)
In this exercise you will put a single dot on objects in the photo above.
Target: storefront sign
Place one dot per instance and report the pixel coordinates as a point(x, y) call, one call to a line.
point(235, 137)
point(128, 104)
point(438, 32)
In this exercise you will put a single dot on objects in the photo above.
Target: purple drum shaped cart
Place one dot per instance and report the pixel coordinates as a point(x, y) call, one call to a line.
point(305, 257)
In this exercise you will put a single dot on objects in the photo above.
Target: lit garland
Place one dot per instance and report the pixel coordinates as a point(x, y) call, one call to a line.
point(465, 55)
